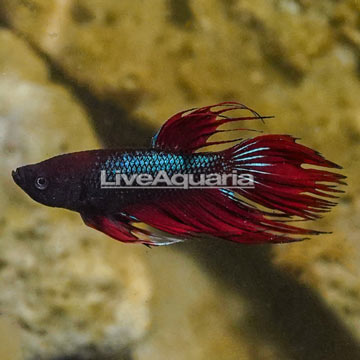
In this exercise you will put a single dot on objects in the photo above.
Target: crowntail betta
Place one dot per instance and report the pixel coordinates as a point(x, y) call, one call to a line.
point(284, 189)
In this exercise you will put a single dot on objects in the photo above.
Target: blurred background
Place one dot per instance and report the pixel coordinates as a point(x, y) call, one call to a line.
point(83, 74)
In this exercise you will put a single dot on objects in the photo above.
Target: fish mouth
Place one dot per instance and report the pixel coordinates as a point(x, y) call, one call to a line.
point(19, 177)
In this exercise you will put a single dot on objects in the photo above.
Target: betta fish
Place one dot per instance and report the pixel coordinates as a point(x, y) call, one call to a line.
point(289, 183)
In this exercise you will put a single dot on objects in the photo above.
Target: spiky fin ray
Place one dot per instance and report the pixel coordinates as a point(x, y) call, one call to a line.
point(123, 227)
point(282, 183)
point(197, 125)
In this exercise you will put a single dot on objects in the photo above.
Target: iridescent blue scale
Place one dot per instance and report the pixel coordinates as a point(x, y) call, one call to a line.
point(151, 162)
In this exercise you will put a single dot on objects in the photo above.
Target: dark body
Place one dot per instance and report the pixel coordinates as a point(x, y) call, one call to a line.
point(79, 175)
point(139, 162)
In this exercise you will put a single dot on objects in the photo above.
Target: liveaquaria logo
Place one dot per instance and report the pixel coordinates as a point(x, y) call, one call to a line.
point(162, 180)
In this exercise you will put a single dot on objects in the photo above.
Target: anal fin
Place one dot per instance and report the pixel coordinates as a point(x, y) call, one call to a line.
point(123, 228)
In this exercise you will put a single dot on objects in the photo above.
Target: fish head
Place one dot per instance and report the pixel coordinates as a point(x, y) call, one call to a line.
point(53, 182)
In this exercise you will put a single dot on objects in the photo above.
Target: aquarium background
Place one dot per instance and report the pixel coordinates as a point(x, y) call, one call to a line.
point(84, 74)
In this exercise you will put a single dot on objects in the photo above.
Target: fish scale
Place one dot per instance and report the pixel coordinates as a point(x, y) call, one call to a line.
point(151, 162)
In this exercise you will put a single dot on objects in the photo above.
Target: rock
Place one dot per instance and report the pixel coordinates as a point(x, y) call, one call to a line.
point(33, 112)
point(10, 342)
point(346, 18)
point(196, 318)
point(71, 290)
point(330, 123)
point(157, 58)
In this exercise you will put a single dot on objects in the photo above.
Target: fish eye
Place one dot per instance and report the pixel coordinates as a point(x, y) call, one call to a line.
point(41, 183)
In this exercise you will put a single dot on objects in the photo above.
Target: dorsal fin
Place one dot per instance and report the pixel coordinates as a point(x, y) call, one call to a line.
point(189, 130)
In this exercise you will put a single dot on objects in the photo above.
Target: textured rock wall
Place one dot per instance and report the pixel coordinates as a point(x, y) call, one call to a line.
point(298, 60)
point(70, 292)
point(59, 281)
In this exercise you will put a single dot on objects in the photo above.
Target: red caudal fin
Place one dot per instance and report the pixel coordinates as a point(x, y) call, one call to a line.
point(284, 175)
point(190, 130)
